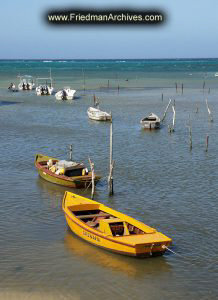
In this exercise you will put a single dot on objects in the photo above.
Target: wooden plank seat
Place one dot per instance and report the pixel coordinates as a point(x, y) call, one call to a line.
point(93, 216)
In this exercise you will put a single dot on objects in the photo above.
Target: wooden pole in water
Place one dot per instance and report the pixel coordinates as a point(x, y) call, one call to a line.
point(190, 134)
point(84, 81)
point(174, 116)
point(93, 178)
point(207, 142)
point(203, 86)
point(209, 112)
point(71, 152)
point(111, 166)
point(171, 128)
point(190, 138)
point(182, 88)
point(164, 115)
point(162, 97)
point(118, 88)
point(176, 87)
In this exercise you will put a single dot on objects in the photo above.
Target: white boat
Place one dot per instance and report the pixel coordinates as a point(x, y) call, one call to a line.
point(65, 94)
point(152, 121)
point(26, 83)
point(98, 115)
point(12, 88)
point(44, 86)
point(216, 74)
point(44, 90)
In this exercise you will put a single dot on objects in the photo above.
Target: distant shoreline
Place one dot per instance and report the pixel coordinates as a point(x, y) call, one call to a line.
point(103, 59)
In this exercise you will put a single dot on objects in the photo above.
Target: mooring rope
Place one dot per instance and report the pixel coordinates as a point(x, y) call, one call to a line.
point(165, 247)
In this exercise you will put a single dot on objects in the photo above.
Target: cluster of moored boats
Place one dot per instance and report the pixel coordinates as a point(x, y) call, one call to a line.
point(95, 222)
point(88, 219)
point(45, 87)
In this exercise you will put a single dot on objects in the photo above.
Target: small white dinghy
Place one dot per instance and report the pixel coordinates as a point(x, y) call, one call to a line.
point(152, 121)
point(98, 115)
point(65, 94)
point(95, 113)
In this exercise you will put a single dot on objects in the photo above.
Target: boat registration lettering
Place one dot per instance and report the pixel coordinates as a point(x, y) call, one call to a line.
point(92, 236)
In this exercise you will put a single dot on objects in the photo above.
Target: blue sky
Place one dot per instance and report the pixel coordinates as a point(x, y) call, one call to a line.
point(190, 31)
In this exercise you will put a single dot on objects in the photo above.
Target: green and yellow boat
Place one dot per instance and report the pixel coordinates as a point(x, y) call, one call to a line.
point(109, 229)
point(65, 173)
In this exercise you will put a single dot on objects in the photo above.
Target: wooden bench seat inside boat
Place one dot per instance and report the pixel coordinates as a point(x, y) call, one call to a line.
point(93, 216)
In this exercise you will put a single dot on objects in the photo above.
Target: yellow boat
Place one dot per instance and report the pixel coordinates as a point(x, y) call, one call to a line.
point(112, 230)
point(66, 173)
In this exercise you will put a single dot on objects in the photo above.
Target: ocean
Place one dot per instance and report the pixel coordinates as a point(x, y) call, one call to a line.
point(158, 179)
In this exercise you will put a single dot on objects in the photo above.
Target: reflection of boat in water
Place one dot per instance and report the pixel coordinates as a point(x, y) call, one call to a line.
point(80, 248)
point(109, 229)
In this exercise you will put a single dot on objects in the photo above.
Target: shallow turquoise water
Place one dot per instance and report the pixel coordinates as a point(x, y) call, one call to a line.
point(156, 180)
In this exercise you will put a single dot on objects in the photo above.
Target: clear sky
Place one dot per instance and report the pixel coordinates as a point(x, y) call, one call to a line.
point(190, 31)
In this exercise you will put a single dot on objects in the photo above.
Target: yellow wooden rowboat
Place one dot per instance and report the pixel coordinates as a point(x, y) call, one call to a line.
point(72, 175)
point(112, 230)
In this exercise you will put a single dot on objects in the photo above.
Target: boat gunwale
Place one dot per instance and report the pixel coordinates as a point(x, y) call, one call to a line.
point(82, 178)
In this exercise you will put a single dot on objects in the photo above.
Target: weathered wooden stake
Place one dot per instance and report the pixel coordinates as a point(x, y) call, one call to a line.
point(203, 86)
point(197, 109)
point(111, 166)
point(174, 116)
point(93, 178)
point(118, 88)
point(182, 88)
point(164, 115)
point(207, 141)
point(209, 112)
point(71, 152)
point(171, 128)
point(176, 87)
point(84, 82)
point(162, 97)
point(190, 134)
point(190, 138)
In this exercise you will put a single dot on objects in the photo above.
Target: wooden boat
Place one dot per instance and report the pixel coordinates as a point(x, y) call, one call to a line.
point(98, 115)
point(112, 230)
point(66, 173)
point(152, 121)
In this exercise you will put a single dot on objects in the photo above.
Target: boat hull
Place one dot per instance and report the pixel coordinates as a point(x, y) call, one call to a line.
point(97, 115)
point(69, 95)
point(97, 240)
point(150, 125)
point(122, 245)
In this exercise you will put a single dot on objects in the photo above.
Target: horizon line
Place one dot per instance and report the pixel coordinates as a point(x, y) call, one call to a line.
point(62, 59)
